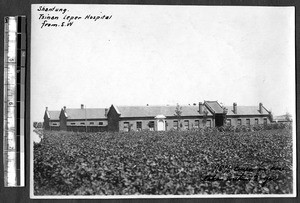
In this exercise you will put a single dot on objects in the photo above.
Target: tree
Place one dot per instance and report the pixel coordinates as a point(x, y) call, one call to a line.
point(288, 116)
point(205, 112)
point(225, 111)
point(40, 124)
point(178, 113)
point(271, 116)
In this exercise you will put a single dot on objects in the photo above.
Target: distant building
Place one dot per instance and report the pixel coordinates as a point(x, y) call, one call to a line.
point(155, 118)
point(158, 118)
point(247, 115)
point(81, 119)
point(282, 119)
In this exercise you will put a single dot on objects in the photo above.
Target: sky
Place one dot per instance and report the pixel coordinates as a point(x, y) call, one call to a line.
point(161, 55)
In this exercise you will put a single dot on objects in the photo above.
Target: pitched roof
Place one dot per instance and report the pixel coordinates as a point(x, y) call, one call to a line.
point(53, 115)
point(246, 110)
point(214, 106)
point(89, 113)
point(152, 111)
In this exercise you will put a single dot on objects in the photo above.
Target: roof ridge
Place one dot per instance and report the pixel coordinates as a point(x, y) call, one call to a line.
point(244, 106)
point(82, 109)
point(266, 109)
point(147, 106)
point(152, 105)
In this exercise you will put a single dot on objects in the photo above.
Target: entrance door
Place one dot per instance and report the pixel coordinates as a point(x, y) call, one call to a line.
point(219, 119)
point(160, 125)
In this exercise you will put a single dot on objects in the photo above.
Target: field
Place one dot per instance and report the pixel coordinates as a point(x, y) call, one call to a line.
point(155, 163)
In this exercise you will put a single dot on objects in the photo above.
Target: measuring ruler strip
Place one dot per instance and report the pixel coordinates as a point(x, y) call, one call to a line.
point(14, 99)
point(20, 75)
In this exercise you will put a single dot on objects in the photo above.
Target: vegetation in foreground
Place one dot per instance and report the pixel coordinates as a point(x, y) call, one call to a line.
point(156, 163)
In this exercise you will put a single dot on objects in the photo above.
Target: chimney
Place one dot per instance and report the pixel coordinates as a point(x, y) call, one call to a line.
point(260, 108)
point(46, 108)
point(200, 107)
point(82, 106)
point(65, 108)
point(105, 112)
point(234, 108)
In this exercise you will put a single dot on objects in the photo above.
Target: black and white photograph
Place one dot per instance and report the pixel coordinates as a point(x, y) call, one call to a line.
point(162, 101)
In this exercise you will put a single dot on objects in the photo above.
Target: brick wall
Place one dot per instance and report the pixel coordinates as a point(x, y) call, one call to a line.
point(170, 123)
point(234, 120)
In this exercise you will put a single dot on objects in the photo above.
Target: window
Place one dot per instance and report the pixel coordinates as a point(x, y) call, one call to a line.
point(139, 125)
point(265, 121)
point(151, 125)
point(72, 123)
point(100, 123)
point(92, 123)
point(247, 121)
point(196, 123)
point(228, 122)
point(239, 121)
point(126, 126)
point(175, 125)
point(256, 121)
point(54, 123)
point(208, 123)
point(186, 124)
point(82, 123)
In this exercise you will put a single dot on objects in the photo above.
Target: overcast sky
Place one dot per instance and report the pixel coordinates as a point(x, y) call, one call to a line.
point(160, 55)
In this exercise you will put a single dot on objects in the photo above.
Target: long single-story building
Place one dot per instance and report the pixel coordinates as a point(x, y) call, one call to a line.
point(81, 119)
point(283, 119)
point(247, 115)
point(155, 118)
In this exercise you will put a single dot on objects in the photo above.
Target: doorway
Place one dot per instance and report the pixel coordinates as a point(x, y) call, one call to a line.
point(160, 123)
point(219, 119)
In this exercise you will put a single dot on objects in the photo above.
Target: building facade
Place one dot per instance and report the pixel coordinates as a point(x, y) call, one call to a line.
point(247, 115)
point(155, 118)
point(287, 118)
point(81, 119)
point(158, 118)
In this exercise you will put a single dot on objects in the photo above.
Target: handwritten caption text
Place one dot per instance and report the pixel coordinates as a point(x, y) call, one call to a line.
point(60, 17)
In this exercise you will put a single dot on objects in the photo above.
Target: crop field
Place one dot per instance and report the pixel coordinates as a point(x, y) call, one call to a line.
point(156, 163)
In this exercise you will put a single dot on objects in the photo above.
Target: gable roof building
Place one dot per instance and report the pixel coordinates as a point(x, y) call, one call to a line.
point(152, 111)
point(214, 107)
point(282, 119)
point(53, 115)
point(125, 118)
point(76, 119)
point(246, 110)
point(90, 113)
